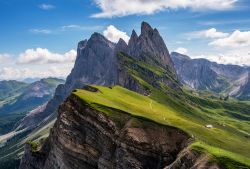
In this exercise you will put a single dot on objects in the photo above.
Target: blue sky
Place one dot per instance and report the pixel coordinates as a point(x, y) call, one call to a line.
point(39, 37)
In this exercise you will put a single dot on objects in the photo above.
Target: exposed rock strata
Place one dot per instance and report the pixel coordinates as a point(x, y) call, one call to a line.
point(202, 74)
point(97, 63)
point(192, 159)
point(88, 139)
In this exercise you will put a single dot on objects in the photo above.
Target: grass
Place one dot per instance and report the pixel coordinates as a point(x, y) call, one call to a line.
point(223, 141)
point(222, 156)
point(34, 145)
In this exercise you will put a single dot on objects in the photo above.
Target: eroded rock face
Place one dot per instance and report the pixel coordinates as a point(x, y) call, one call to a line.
point(88, 139)
point(192, 159)
point(97, 63)
point(202, 74)
point(150, 46)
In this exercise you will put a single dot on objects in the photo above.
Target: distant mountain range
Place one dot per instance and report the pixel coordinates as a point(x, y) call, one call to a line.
point(123, 106)
point(202, 74)
point(18, 98)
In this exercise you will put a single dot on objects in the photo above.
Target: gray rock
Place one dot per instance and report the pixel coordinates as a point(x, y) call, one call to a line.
point(202, 74)
point(97, 63)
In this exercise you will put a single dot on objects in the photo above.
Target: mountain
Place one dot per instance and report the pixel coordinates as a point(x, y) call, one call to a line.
point(201, 74)
point(123, 107)
point(97, 63)
point(18, 98)
point(10, 88)
point(31, 80)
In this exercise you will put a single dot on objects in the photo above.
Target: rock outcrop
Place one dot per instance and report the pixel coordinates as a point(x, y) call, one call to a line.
point(31, 119)
point(150, 47)
point(202, 74)
point(88, 139)
point(192, 159)
point(97, 63)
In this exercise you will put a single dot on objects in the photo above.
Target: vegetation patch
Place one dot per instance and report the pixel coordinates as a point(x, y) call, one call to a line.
point(228, 133)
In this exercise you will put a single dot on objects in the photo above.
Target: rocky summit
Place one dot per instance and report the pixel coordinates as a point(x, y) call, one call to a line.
point(102, 62)
point(123, 107)
point(202, 74)
point(97, 63)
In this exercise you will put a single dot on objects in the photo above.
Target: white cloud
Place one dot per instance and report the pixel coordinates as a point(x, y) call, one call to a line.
point(44, 56)
point(112, 8)
point(46, 6)
point(181, 50)
point(4, 58)
point(235, 57)
point(113, 34)
point(13, 73)
point(36, 63)
point(80, 27)
point(209, 33)
point(42, 31)
point(236, 39)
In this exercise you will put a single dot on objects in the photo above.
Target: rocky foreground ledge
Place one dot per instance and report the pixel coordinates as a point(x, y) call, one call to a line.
point(89, 139)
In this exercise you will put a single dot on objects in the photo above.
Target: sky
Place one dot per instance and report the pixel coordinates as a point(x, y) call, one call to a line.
point(38, 38)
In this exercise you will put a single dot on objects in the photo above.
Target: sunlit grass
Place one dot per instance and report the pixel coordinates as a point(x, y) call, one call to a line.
point(228, 138)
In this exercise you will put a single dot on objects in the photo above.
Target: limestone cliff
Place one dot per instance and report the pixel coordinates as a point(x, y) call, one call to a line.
point(86, 138)
point(97, 63)
point(89, 139)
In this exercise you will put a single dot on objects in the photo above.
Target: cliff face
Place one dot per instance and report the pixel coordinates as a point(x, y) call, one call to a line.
point(97, 63)
point(192, 159)
point(86, 138)
point(203, 74)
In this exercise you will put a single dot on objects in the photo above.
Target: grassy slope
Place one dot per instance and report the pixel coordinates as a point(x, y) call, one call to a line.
point(10, 117)
point(10, 154)
point(228, 141)
point(224, 142)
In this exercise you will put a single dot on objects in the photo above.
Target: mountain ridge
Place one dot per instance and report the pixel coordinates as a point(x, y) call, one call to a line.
point(202, 74)
point(147, 89)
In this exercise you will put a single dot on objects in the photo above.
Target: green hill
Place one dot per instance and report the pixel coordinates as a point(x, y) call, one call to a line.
point(228, 143)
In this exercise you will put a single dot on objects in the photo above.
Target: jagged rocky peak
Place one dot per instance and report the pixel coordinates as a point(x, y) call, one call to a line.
point(146, 29)
point(150, 46)
point(133, 38)
point(82, 44)
point(97, 39)
point(121, 46)
point(179, 56)
point(93, 64)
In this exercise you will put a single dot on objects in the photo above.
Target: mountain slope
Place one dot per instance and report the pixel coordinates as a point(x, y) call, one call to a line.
point(22, 98)
point(114, 127)
point(10, 88)
point(96, 63)
point(202, 74)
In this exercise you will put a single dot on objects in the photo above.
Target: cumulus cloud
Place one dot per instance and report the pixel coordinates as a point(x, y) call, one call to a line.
point(44, 56)
point(235, 57)
point(236, 39)
point(42, 31)
point(4, 58)
point(13, 73)
point(181, 50)
point(110, 8)
point(46, 6)
point(113, 34)
point(209, 33)
point(36, 63)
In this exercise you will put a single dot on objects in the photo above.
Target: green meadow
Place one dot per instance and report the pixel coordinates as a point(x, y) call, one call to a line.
point(228, 141)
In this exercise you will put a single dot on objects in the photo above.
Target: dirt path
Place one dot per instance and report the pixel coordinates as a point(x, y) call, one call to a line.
point(150, 105)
